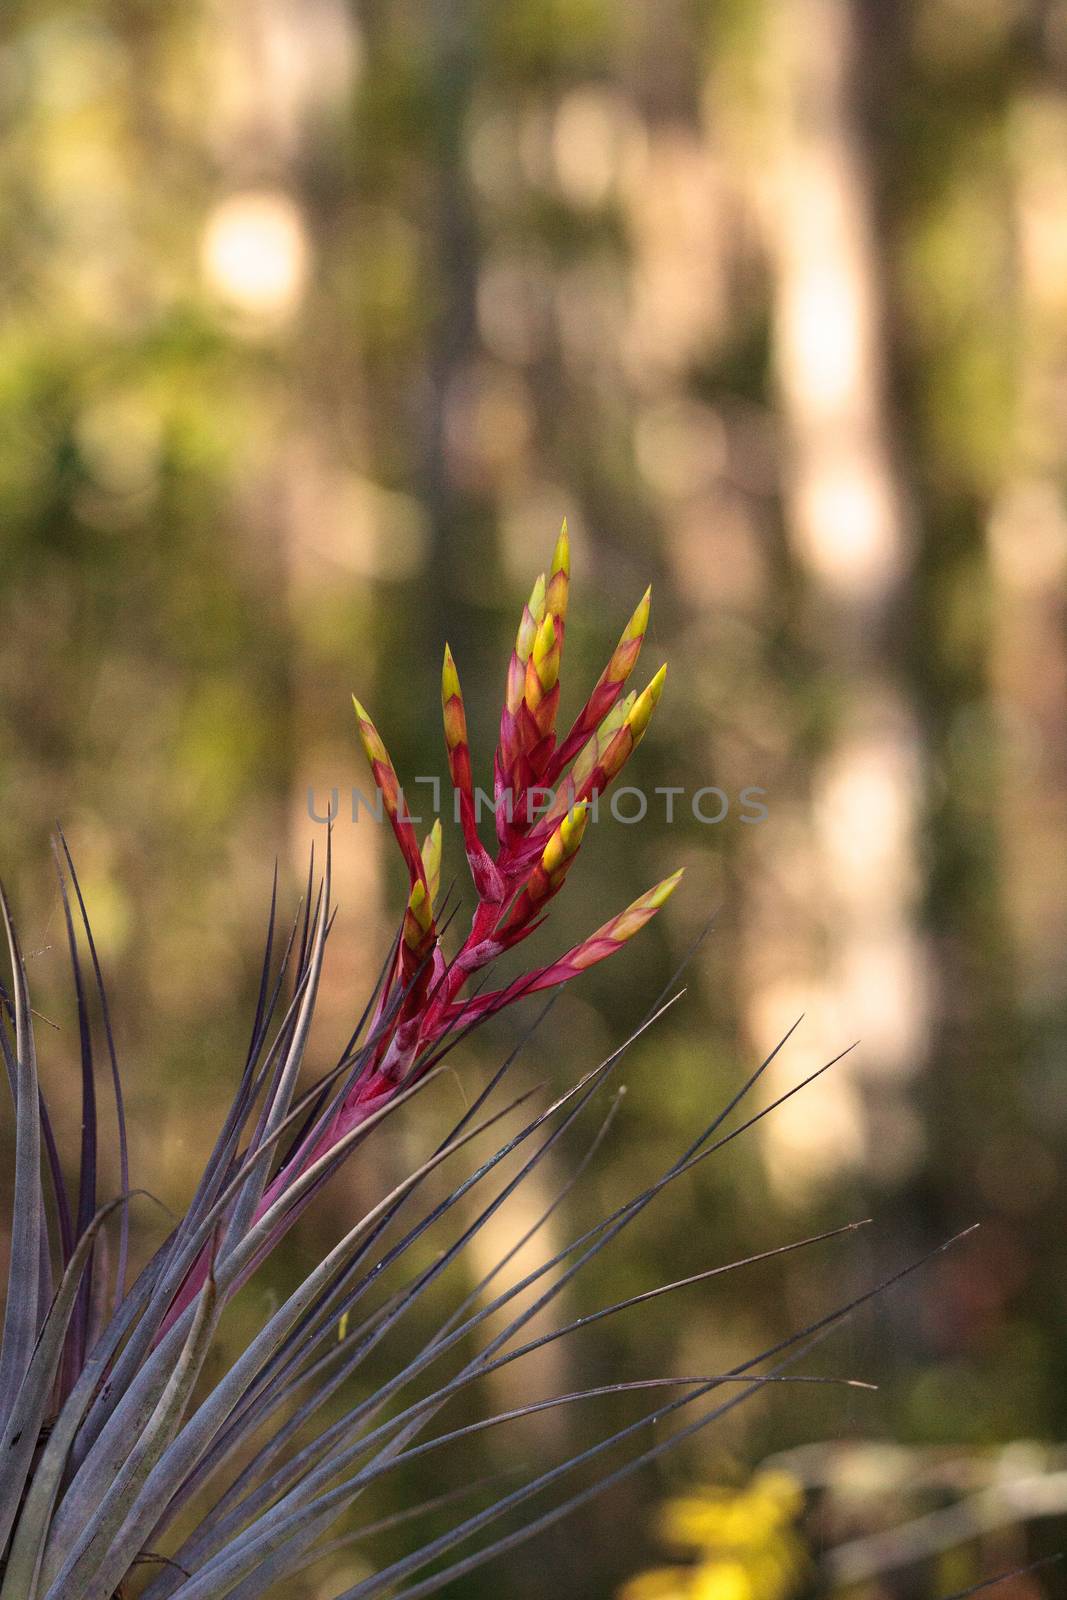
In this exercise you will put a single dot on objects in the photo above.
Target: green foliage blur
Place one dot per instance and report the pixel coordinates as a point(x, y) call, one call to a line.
point(316, 317)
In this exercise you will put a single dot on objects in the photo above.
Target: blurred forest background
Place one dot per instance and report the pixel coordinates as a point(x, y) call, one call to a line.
point(316, 317)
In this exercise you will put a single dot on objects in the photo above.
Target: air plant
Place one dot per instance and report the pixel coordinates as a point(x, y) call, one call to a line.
point(122, 1462)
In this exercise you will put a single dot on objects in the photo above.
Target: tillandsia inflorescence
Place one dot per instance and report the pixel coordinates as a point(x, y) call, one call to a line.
point(537, 842)
point(123, 1465)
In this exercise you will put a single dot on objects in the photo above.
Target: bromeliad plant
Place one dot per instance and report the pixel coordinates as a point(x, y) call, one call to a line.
point(122, 1465)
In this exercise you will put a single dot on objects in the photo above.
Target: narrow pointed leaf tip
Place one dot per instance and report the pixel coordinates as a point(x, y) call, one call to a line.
point(487, 881)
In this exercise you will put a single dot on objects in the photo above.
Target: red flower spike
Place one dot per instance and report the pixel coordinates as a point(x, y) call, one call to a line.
point(617, 930)
point(389, 787)
point(487, 879)
point(418, 934)
point(608, 939)
point(511, 745)
point(592, 752)
point(607, 690)
point(548, 876)
point(541, 682)
point(605, 942)
point(587, 760)
point(623, 743)
point(540, 693)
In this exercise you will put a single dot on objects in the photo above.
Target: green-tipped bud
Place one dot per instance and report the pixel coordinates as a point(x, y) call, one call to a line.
point(624, 657)
point(607, 940)
point(638, 623)
point(545, 656)
point(449, 676)
point(617, 715)
point(548, 876)
point(626, 924)
point(591, 753)
point(660, 894)
point(563, 845)
point(431, 861)
point(640, 714)
point(561, 555)
point(418, 918)
point(559, 580)
point(369, 736)
point(620, 746)
point(389, 788)
point(452, 704)
point(641, 910)
point(532, 617)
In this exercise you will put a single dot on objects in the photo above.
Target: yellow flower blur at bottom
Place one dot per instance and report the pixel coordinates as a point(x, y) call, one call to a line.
point(744, 1543)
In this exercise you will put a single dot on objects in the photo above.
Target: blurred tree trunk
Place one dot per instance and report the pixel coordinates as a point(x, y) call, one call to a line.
point(1028, 551)
point(833, 928)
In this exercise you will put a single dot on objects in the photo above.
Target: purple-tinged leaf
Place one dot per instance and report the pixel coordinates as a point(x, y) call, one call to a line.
point(74, 1354)
point(116, 1077)
point(24, 1271)
point(100, 1557)
point(28, 1414)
